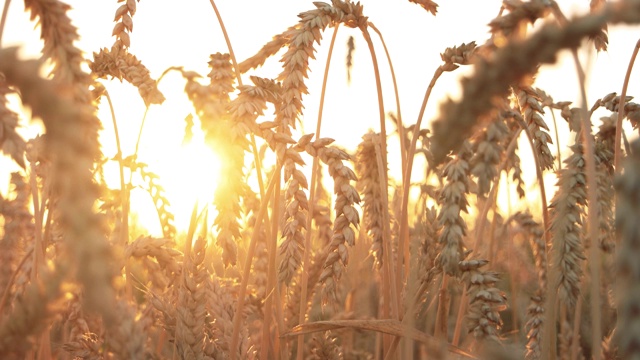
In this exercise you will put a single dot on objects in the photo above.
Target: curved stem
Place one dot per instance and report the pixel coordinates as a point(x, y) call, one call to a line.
point(555, 129)
point(123, 195)
point(396, 281)
point(312, 195)
point(3, 20)
point(125, 204)
point(621, 109)
point(272, 247)
point(38, 255)
point(5, 293)
point(383, 139)
point(406, 176)
point(228, 41)
point(403, 149)
point(146, 110)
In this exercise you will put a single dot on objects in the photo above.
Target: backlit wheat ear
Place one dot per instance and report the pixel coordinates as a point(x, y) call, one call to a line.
point(534, 231)
point(514, 164)
point(518, 12)
point(243, 111)
point(220, 311)
point(453, 200)
point(535, 315)
point(567, 251)
point(211, 101)
point(530, 104)
point(301, 39)
point(59, 36)
point(604, 145)
point(429, 246)
point(127, 340)
point(292, 307)
point(346, 216)
point(485, 300)
point(124, 23)
point(369, 186)
point(11, 143)
point(601, 39)
point(295, 67)
point(75, 319)
point(30, 315)
point(18, 230)
point(72, 138)
point(157, 193)
point(86, 347)
point(121, 64)
point(428, 5)
point(268, 50)
point(509, 64)
point(191, 308)
point(488, 149)
point(296, 208)
point(159, 248)
point(324, 347)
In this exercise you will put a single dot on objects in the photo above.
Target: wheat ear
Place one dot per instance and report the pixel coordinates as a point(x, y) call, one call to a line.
point(75, 151)
point(11, 143)
point(508, 65)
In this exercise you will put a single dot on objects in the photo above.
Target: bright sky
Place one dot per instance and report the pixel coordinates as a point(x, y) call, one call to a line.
point(167, 34)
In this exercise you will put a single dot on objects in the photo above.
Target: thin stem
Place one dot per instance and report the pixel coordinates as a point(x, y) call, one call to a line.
point(7, 289)
point(550, 307)
point(403, 149)
point(395, 293)
point(123, 192)
point(312, 198)
point(575, 341)
point(247, 266)
point(284, 351)
point(555, 129)
point(383, 128)
point(3, 20)
point(38, 254)
point(272, 247)
point(387, 231)
point(395, 307)
point(592, 215)
point(404, 243)
point(144, 119)
point(228, 41)
point(442, 313)
point(621, 110)
point(146, 110)
point(406, 177)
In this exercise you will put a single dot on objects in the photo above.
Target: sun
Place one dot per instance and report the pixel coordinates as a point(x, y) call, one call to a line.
point(190, 176)
point(187, 174)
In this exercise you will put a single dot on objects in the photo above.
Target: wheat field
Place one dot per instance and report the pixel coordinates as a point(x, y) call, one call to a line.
point(307, 249)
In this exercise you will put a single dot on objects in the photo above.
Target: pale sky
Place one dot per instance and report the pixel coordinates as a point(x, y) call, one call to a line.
point(171, 33)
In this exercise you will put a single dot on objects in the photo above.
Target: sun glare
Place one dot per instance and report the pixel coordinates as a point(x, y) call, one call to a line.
point(188, 173)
